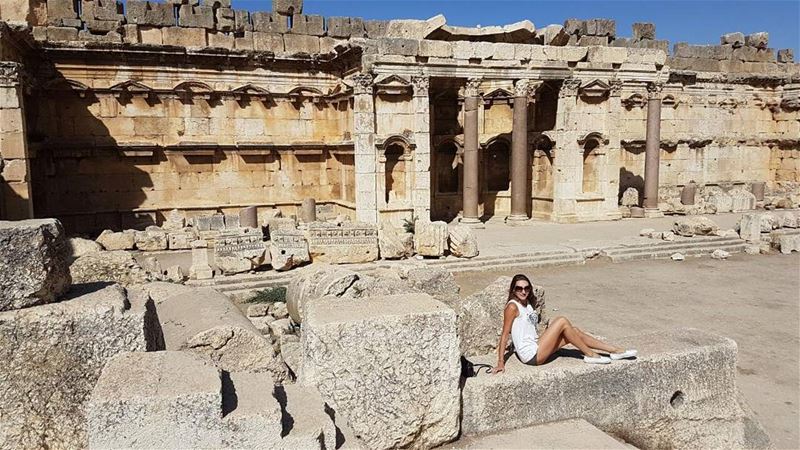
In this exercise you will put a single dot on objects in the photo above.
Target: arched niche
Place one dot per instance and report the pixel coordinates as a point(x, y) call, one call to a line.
point(542, 162)
point(497, 165)
point(396, 156)
point(593, 151)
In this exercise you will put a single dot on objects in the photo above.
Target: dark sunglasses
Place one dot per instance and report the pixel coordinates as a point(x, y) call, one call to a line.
point(522, 288)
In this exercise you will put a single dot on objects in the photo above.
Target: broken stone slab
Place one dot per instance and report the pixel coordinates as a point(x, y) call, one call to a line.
point(181, 240)
point(462, 240)
point(750, 227)
point(150, 13)
point(411, 29)
point(236, 349)
point(174, 220)
point(174, 274)
point(720, 254)
point(434, 281)
point(694, 226)
point(689, 397)
point(277, 224)
point(258, 310)
point(786, 56)
point(77, 247)
point(33, 263)
point(630, 197)
point(552, 35)
point(735, 39)
point(269, 22)
point(643, 31)
point(288, 249)
point(152, 239)
point(52, 357)
point(156, 400)
point(316, 282)
point(789, 243)
point(574, 433)
point(233, 264)
point(410, 339)
point(347, 243)
point(770, 221)
point(123, 240)
point(480, 318)
point(393, 244)
point(721, 201)
point(758, 40)
point(312, 425)
point(118, 266)
point(430, 238)
point(523, 32)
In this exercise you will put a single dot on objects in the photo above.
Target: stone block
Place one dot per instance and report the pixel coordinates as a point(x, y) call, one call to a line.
point(735, 39)
point(789, 243)
point(216, 222)
point(553, 35)
point(242, 20)
point(315, 283)
point(430, 238)
point(462, 241)
point(308, 24)
point(77, 247)
point(287, 7)
point(184, 37)
point(750, 227)
point(288, 249)
point(643, 31)
point(233, 264)
point(110, 240)
point(413, 29)
point(150, 13)
point(435, 49)
point(53, 355)
point(268, 42)
point(398, 46)
point(15, 170)
point(575, 27)
point(758, 40)
point(343, 244)
point(130, 34)
point(196, 17)
point(60, 10)
point(590, 41)
point(694, 226)
point(156, 400)
point(226, 19)
point(236, 349)
point(680, 392)
point(151, 240)
point(607, 55)
point(376, 29)
point(150, 35)
point(269, 22)
point(64, 34)
point(409, 339)
point(743, 200)
point(116, 266)
point(33, 263)
point(111, 36)
point(394, 244)
point(298, 43)
point(346, 27)
point(786, 55)
point(601, 27)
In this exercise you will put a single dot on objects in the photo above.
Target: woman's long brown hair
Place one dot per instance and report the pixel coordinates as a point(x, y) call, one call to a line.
point(532, 300)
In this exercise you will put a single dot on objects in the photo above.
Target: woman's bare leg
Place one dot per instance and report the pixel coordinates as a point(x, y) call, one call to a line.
point(597, 344)
point(556, 336)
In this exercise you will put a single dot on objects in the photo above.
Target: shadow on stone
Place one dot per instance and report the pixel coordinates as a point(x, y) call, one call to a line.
point(230, 400)
point(287, 421)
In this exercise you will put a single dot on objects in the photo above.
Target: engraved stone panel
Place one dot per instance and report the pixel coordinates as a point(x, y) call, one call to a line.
point(342, 244)
point(430, 238)
point(288, 249)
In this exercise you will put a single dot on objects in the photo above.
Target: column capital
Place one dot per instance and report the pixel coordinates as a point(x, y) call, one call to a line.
point(363, 83)
point(10, 73)
point(615, 88)
point(654, 90)
point(472, 88)
point(421, 85)
point(526, 87)
point(569, 88)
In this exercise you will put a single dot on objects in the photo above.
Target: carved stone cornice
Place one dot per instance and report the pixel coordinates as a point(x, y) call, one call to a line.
point(569, 88)
point(421, 85)
point(363, 83)
point(472, 87)
point(654, 90)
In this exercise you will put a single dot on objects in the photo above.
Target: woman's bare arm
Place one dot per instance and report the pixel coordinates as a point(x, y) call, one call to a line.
point(509, 314)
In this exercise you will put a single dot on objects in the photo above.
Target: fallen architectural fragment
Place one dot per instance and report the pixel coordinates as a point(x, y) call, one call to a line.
point(680, 392)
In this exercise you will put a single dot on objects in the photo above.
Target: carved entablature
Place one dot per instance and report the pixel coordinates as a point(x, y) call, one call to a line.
point(569, 88)
point(595, 90)
point(422, 85)
point(393, 85)
point(363, 83)
point(634, 100)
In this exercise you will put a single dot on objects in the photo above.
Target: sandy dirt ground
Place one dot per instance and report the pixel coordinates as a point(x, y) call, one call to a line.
point(753, 299)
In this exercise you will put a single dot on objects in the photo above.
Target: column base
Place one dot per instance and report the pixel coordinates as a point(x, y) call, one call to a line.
point(472, 222)
point(518, 220)
point(653, 213)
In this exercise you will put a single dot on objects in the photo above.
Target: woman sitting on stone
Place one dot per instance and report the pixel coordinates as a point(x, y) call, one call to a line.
point(520, 319)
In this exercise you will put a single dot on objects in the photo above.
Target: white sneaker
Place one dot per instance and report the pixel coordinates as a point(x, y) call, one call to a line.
point(624, 355)
point(597, 360)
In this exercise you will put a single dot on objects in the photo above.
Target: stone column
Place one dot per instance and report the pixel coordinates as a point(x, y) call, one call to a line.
point(520, 160)
point(471, 190)
point(567, 165)
point(17, 201)
point(652, 150)
point(364, 148)
point(421, 193)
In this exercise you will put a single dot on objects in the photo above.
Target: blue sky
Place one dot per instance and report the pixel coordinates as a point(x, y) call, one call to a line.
point(696, 22)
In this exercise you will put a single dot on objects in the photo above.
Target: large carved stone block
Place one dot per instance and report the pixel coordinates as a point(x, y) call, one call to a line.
point(408, 339)
point(463, 242)
point(150, 13)
point(152, 239)
point(269, 22)
point(52, 357)
point(694, 226)
point(742, 200)
point(316, 283)
point(288, 249)
point(393, 244)
point(116, 266)
point(343, 244)
point(33, 263)
point(430, 238)
point(287, 7)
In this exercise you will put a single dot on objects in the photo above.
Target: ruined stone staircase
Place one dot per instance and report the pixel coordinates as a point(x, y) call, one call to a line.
point(562, 255)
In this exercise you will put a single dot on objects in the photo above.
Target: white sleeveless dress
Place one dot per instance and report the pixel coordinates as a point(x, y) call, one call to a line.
point(523, 332)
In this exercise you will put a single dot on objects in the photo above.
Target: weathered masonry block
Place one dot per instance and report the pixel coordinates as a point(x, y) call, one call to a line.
point(680, 392)
point(409, 339)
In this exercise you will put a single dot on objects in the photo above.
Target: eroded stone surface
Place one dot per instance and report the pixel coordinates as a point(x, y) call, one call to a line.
point(123, 240)
point(314, 283)
point(694, 226)
point(430, 238)
point(409, 339)
point(117, 266)
point(463, 242)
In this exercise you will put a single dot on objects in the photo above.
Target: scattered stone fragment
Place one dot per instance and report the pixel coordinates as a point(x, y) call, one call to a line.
point(752, 249)
point(152, 239)
point(279, 310)
point(646, 232)
point(463, 242)
point(123, 240)
point(677, 257)
point(789, 243)
point(236, 349)
point(750, 227)
point(79, 246)
point(258, 310)
point(430, 238)
point(720, 254)
point(262, 324)
point(694, 226)
point(630, 197)
point(279, 327)
point(174, 274)
point(313, 283)
point(393, 244)
point(668, 236)
point(116, 266)
point(231, 265)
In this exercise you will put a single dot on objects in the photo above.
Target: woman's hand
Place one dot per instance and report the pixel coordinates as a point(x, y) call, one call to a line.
point(499, 368)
